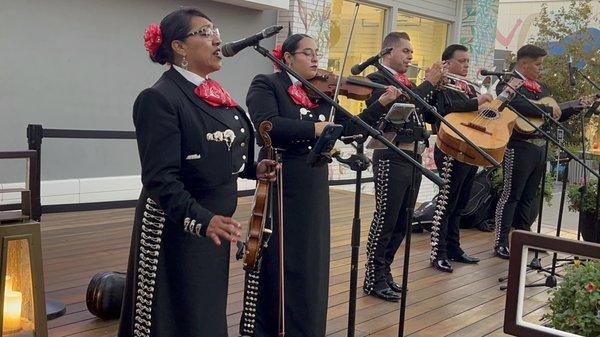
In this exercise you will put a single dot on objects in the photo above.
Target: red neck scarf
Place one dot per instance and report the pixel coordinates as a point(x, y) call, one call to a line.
point(464, 87)
point(214, 94)
point(532, 86)
point(403, 79)
point(299, 96)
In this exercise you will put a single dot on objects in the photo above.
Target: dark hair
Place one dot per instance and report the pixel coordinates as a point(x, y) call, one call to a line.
point(175, 26)
point(291, 43)
point(451, 49)
point(530, 51)
point(393, 38)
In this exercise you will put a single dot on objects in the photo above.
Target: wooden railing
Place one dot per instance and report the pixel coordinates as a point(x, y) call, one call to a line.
point(30, 194)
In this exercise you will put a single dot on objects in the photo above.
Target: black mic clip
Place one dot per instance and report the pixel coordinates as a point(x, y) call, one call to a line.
point(352, 138)
point(356, 162)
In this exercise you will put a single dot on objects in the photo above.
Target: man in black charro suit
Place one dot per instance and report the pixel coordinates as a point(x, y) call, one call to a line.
point(392, 175)
point(524, 159)
point(454, 195)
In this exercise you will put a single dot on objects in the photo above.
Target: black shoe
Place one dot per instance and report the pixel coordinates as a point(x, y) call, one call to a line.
point(386, 294)
point(502, 252)
point(442, 264)
point(394, 286)
point(464, 258)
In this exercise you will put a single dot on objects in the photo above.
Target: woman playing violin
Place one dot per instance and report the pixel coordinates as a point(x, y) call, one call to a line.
point(194, 141)
point(297, 123)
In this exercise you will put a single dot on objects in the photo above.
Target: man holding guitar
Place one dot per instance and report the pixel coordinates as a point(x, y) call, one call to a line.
point(459, 176)
point(524, 159)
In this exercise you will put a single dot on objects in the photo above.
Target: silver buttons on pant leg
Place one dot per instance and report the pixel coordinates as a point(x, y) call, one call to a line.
point(441, 206)
point(149, 246)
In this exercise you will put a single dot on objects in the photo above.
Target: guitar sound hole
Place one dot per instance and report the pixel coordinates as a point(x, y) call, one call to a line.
point(490, 114)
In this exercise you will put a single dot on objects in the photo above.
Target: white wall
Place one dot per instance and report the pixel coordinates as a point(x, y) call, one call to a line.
point(81, 63)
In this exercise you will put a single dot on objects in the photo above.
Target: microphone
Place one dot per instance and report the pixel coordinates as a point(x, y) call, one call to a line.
point(358, 68)
point(484, 72)
point(571, 70)
point(231, 48)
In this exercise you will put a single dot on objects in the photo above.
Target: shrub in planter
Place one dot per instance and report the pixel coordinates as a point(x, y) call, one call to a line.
point(575, 302)
point(582, 199)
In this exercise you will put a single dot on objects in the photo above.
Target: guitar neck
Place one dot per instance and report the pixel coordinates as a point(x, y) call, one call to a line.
point(574, 104)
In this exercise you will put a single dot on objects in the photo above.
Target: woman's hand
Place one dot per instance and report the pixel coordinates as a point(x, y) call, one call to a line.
point(223, 228)
point(267, 170)
point(319, 126)
point(391, 94)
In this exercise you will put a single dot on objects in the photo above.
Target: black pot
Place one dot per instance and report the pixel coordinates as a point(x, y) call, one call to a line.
point(590, 229)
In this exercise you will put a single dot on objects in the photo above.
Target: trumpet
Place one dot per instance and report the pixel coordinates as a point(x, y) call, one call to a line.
point(475, 83)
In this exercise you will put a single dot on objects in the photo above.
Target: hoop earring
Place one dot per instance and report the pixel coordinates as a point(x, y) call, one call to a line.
point(184, 63)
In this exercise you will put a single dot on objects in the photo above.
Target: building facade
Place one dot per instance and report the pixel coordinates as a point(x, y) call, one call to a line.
point(81, 65)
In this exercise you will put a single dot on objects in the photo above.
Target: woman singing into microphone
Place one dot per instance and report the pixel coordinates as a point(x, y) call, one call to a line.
point(194, 141)
point(297, 123)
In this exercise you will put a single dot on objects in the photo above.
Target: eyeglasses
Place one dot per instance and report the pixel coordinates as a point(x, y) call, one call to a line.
point(309, 53)
point(206, 32)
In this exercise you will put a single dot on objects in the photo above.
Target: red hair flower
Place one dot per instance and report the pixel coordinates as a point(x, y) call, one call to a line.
point(590, 287)
point(278, 55)
point(152, 38)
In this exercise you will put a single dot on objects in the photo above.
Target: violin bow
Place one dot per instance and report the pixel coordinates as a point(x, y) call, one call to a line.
point(339, 81)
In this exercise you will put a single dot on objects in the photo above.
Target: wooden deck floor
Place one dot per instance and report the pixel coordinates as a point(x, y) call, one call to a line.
point(465, 303)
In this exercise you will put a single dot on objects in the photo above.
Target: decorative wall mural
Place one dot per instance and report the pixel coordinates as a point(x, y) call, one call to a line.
point(516, 22)
point(315, 17)
point(478, 31)
point(506, 40)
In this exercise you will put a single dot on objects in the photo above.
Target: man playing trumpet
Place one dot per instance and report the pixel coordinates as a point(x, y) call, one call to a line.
point(393, 174)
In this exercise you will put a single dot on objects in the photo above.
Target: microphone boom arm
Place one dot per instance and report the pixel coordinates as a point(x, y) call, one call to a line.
point(433, 111)
point(366, 127)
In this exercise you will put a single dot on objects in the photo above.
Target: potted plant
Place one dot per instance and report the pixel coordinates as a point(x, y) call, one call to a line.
point(582, 198)
point(575, 302)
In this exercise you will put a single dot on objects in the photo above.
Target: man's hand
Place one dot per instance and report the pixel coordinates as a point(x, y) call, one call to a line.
point(556, 112)
point(484, 99)
point(435, 73)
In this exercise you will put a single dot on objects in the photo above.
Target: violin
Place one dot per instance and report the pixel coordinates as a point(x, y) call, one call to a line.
point(258, 234)
point(355, 87)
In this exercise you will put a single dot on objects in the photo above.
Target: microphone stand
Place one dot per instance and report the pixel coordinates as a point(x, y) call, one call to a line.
point(550, 279)
point(587, 78)
point(434, 112)
point(359, 122)
point(419, 134)
point(358, 163)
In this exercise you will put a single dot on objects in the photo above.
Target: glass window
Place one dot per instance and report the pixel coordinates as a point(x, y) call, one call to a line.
point(366, 40)
point(428, 37)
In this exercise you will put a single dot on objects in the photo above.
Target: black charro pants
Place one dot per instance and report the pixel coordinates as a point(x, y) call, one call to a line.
point(454, 195)
point(393, 180)
point(524, 165)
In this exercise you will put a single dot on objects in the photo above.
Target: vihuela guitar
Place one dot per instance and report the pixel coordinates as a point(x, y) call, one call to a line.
point(490, 128)
point(524, 127)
